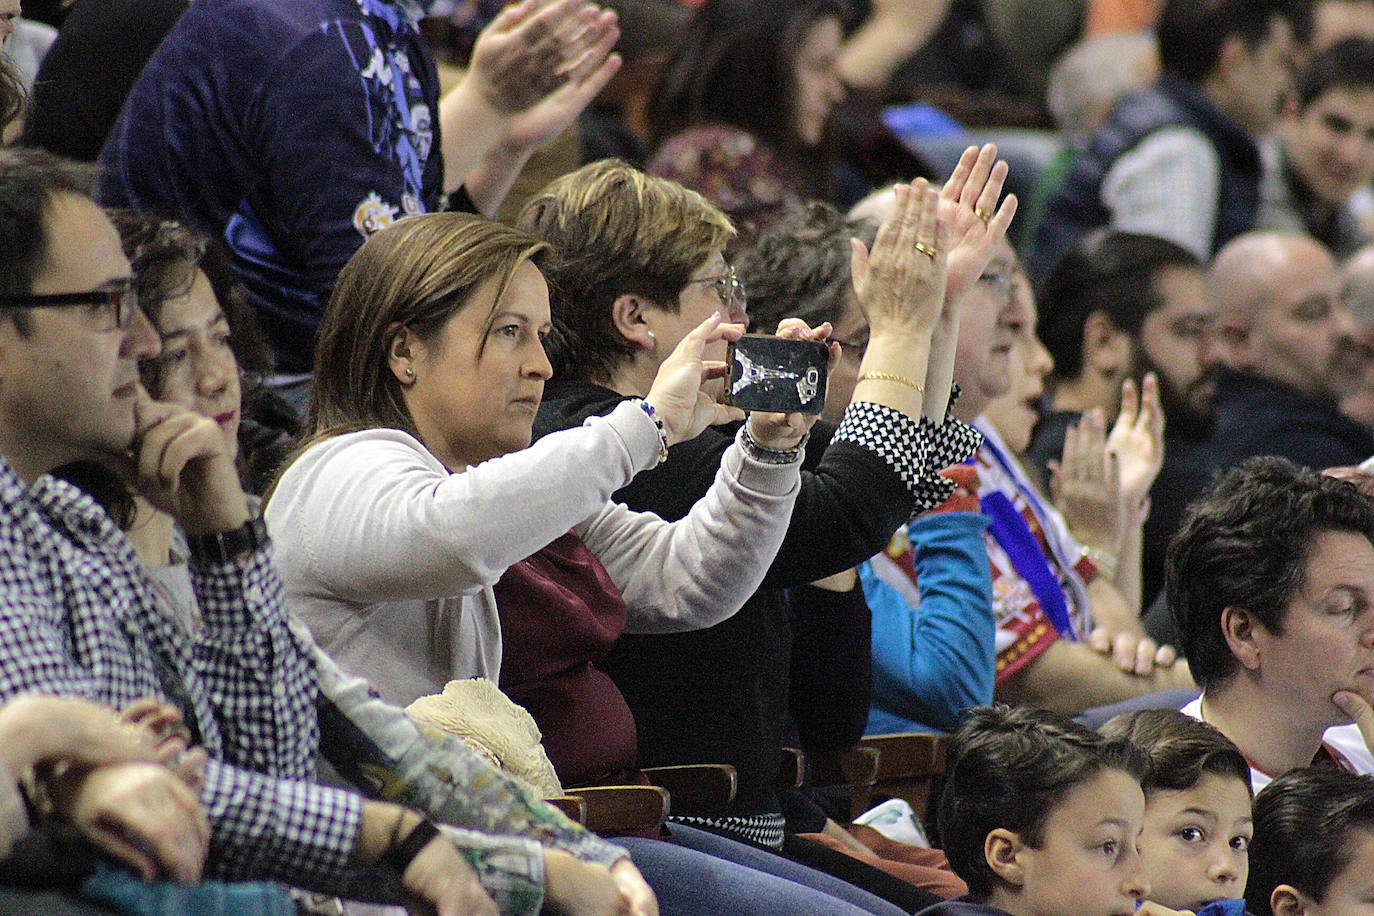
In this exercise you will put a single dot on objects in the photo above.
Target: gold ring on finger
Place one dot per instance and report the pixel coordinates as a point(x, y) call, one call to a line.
point(982, 214)
point(926, 250)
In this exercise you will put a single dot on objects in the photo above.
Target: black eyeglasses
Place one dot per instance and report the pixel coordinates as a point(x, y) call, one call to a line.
point(120, 301)
point(729, 288)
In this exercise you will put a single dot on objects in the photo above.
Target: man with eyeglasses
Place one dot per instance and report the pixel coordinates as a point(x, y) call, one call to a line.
point(79, 617)
point(1068, 635)
point(1116, 307)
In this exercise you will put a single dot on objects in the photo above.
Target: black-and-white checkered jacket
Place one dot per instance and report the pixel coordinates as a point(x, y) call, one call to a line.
point(78, 617)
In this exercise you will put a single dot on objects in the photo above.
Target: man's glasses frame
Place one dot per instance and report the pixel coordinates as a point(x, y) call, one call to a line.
point(120, 299)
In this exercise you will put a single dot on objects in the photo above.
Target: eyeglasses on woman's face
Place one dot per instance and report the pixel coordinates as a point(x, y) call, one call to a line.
point(730, 288)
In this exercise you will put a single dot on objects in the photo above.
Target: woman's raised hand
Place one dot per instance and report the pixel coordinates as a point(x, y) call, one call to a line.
point(900, 284)
point(1086, 485)
point(968, 204)
point(679, 394)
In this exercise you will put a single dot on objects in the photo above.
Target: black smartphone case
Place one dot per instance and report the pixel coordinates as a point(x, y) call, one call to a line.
point(777, 374)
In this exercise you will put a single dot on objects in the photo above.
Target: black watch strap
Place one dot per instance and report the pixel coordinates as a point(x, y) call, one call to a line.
point(223, 546)
point(398, 856)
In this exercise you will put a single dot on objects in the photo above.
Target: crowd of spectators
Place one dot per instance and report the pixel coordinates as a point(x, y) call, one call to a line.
point(352, 351)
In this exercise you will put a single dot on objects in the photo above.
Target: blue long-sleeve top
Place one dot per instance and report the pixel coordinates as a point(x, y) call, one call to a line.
point(935, 659)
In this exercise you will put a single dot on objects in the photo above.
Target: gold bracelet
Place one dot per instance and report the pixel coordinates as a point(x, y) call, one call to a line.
point(891, 377)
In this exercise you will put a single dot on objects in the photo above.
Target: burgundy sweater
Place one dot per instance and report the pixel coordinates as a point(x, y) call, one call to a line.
point(560, 616)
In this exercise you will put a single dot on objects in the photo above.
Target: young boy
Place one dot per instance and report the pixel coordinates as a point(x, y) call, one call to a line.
point(1313, 852)
point(1041, 817)
point(1197, 810)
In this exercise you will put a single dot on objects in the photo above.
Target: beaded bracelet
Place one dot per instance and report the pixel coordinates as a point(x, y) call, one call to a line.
point(662, 433)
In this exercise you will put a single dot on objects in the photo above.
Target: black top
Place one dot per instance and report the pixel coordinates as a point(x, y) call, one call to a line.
point(89, 70)
point(720, 695)
point(1257, 416)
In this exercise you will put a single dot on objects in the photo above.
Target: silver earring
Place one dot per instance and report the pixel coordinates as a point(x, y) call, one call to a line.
point(653, 336)
point(410, 373)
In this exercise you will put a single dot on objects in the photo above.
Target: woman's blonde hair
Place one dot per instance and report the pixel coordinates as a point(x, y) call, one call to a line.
point(415, 274)
point(613, 231)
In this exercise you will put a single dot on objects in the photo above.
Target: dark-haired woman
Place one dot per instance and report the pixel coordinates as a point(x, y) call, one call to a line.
point(743, 114)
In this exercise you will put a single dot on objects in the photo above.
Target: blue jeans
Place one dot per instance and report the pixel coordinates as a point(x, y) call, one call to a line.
point(696, 873)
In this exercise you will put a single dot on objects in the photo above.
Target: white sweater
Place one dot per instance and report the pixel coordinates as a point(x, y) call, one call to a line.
point(391, 559)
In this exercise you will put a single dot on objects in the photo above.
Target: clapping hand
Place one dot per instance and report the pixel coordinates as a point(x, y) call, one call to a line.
point(968, 205)
point(901, 282)
point(1137, 443)
point(542, 68)
point(1086, 484)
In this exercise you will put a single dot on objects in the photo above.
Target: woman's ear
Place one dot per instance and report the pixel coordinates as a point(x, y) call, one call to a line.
point(628, 314)
point(400, 354)
point(1002, 850)
point(1287, 900)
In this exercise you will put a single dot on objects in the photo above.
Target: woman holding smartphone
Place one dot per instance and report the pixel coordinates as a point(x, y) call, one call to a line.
point(416, 489)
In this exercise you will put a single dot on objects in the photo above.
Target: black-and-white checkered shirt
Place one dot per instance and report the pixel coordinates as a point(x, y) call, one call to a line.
point(78, 617)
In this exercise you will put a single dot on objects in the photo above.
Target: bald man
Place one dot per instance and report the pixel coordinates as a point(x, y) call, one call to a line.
point(1357, 295)
point(1288, 343)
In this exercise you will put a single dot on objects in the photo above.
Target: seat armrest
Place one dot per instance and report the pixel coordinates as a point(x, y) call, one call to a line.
point(623, 809)
point(908, 754)
point(702, 788)
point(791, 768)
point(571, 806)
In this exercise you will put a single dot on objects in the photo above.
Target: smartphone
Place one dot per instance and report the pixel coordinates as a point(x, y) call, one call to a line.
point(777, 374)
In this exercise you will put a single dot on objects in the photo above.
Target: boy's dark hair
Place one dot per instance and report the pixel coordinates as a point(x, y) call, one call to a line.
point(1348, 64)
point(1244, 543)
point(1180, 749)
point(1009, 768)
point(1117, 274)
point(1191, 32)
point(800, 267)
point(1304, 822)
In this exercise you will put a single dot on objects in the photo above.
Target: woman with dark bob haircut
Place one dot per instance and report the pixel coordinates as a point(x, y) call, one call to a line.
point(743, 114)
point(417, 488)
